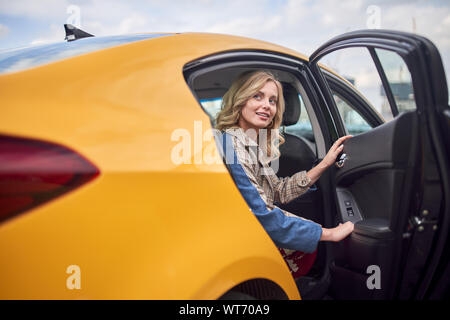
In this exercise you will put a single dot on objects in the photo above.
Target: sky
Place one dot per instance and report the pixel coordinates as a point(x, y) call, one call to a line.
point(302, 25)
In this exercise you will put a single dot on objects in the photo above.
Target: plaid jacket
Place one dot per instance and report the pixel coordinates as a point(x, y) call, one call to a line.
point(255, 177)
point(262, 175)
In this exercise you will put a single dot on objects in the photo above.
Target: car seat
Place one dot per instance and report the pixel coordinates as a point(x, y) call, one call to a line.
point(296, 155)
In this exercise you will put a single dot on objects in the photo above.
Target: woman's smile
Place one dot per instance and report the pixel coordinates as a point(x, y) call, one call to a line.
point(263, 115)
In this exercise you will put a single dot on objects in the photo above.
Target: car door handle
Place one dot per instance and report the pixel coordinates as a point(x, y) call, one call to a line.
point(341, 160)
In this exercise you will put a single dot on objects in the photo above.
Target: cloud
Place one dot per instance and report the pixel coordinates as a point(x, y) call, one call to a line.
point(42, 9)
point(54, 34)
point(255, 27)
point(4, 30)
point(133, 23)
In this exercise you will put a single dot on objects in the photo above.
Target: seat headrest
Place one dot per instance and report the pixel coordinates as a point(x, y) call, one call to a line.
point(292, 105)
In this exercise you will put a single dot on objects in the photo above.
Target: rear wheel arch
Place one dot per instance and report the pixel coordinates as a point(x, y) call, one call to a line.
point(255, 289)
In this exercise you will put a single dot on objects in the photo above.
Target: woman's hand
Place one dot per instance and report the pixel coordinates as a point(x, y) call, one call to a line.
point(334, 151)
point(338, 233)
point(328, 161)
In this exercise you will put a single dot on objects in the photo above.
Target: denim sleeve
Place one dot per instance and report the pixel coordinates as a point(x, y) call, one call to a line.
point(286, 232)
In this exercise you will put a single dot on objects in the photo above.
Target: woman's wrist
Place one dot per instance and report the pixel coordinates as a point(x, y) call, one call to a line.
point(323, 165)
point(315, 173)
point(326, 234)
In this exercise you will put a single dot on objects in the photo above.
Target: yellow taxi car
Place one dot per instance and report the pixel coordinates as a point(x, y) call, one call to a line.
point(111, 185)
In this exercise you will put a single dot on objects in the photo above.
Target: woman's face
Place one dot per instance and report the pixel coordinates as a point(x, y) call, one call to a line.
point(259, 110)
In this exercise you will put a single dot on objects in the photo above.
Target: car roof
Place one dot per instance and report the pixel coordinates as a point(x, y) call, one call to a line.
point(18, 59)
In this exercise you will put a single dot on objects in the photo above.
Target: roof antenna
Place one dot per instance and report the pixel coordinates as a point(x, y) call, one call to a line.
point(73, 33)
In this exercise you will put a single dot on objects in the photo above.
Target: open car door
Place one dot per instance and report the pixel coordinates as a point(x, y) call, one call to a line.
point(393, 181)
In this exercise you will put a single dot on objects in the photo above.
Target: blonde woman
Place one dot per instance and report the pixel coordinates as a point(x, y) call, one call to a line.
point(251, 115)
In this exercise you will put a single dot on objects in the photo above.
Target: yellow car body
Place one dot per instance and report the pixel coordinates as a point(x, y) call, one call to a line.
point(145, 228)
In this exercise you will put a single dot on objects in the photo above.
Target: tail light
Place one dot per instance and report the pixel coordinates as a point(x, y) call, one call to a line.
point(33, 172)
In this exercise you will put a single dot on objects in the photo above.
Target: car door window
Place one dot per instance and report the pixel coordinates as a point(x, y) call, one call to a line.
point(353, 120)
point(399, 79)
point(357, 64)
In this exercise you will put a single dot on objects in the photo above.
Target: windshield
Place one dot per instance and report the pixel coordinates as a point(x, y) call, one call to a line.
point(13, 60)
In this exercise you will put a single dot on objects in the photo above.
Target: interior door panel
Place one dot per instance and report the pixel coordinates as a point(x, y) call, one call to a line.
point(372, 191)
point(375, 169)
point(385, 147)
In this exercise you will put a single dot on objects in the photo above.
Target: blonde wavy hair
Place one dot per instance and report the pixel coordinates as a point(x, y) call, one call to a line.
point(241, 90)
